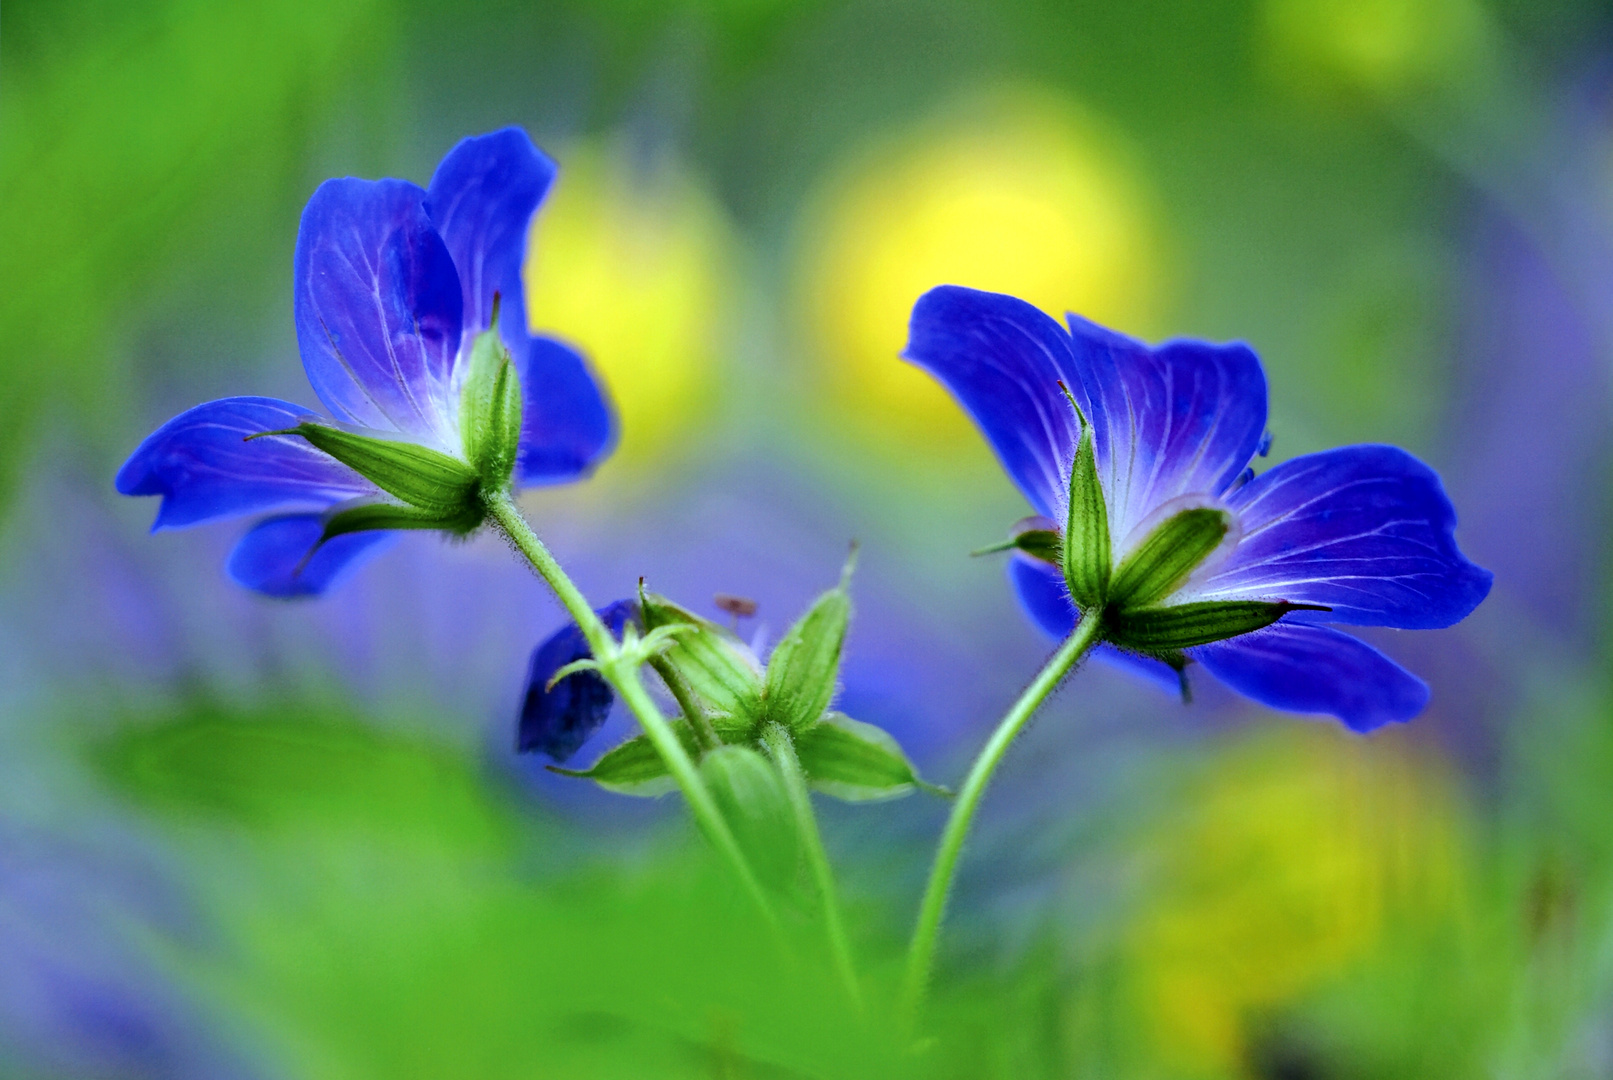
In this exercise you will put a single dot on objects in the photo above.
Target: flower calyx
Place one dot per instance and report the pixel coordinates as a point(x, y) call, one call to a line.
point(731, 701)
point(490, 409)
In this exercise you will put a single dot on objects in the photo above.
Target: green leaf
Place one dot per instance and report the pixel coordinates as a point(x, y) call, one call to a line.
point(802, 671)
point(1166, 629)
point(1085, 551)
point(490, 409)
point(1171, 552)
point(422, 477)
point(718, 668)
point(854, 761)
point(636, 766)
point(750, 793)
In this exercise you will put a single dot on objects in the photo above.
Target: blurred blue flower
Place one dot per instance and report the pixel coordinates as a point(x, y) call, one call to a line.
point(1365, 532)
point(557, 720)
point(392, 284)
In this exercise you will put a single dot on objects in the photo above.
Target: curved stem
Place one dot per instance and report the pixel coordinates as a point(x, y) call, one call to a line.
point(781, 746)
point(921, 951)
point(625, 678)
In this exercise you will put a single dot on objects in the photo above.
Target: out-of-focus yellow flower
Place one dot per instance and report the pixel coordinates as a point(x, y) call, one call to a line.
point(1386, 47)
point(1013, 191)
point(629, 261)
point(1285, 862)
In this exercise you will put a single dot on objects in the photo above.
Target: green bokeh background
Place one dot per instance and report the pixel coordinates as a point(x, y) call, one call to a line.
point(1404, 204)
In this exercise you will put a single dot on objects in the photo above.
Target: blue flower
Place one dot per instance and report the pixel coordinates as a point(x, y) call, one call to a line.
point(393, 283)
point(557, 720)
point(1361, 535)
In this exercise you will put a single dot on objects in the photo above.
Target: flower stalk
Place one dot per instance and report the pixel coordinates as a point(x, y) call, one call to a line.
point(781, 747)
point(921, 951)
point(622, 674)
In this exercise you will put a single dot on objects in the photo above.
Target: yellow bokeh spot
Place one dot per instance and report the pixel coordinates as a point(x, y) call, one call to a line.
point(1015, 191)
point(1286, 862)
point(628, 262)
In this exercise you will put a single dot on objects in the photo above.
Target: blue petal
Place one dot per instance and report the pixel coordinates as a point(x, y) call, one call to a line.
point(1042, 593)
point(1315, 669)
point(1003, 360)
point(203, 467)
point(567, 426)
point(557, 722)
point(1184, 418)
point(273, 557)
point(1366, 530)
point(377, 302)
point(482, 198)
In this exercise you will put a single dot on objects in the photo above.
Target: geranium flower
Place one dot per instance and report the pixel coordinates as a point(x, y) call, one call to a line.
point(395, 289)
point(1138, 460)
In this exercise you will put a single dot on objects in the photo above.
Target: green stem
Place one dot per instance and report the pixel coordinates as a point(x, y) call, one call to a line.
point(921, 952)
point(624, 677)
point(699, 722)
point(781, 746)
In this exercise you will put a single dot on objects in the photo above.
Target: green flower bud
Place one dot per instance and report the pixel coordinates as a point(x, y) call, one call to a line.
point(716, 666)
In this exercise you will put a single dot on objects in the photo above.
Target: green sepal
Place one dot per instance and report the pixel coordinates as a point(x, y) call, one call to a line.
point(1085, 552)
point(750, 793)
point(419, 475)
point(1182, 626)
point(490, 410)
point(1163, 561)
point(635, 767)
point(805, 665)
point(856, 762)
point(717, 667)
point(1037, 537)
point(366, 516)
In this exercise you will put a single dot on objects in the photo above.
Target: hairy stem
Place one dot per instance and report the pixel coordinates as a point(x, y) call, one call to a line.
point(921, 952)
point(624, 676)
point(781, 745)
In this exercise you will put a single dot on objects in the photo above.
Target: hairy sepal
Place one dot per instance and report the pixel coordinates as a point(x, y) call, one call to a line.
point(1167, 556)
point(636, 766)
point(364, 516)
point(424, 478)
point(855, 762)
point(805, 665)
point(1085, 553)
point(717, 667)
point(490, 411)
point(1182, 626)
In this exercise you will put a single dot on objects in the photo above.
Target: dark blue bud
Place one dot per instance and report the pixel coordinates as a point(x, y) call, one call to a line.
point(558, 721)
point(1265, 445)
point(1243, 478)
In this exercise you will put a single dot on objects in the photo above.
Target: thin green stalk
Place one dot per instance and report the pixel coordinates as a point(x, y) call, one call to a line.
point(699, 722)
point(623, 675)
point(781, 746)
point(921, 952)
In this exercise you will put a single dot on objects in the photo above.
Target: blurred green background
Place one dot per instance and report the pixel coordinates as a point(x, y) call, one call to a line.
point(245, 838)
